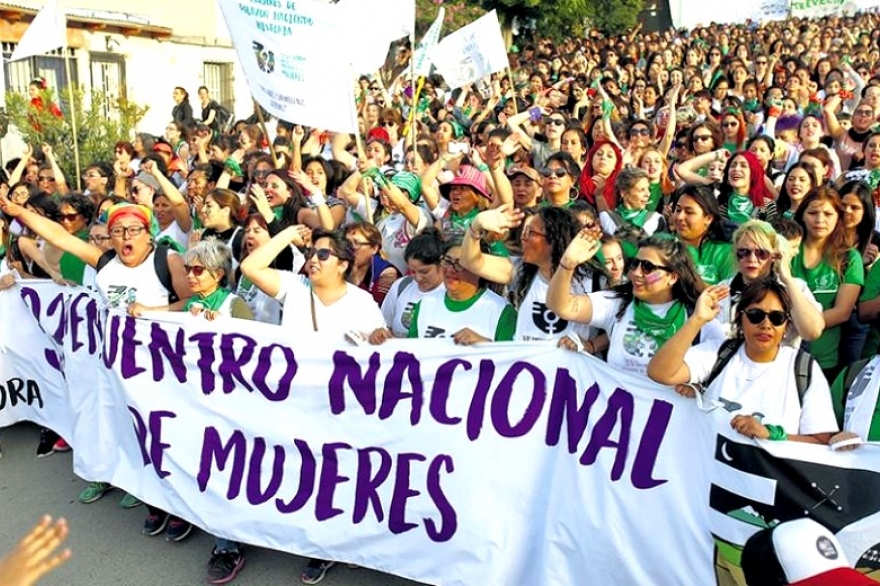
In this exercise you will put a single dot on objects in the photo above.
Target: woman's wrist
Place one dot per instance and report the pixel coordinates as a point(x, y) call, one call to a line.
point(566, 267)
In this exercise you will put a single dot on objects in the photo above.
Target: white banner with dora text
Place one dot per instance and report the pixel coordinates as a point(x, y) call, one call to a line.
point(494, 464)
point(288, 52)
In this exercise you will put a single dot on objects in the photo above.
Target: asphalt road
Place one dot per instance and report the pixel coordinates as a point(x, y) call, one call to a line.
point(107, 544)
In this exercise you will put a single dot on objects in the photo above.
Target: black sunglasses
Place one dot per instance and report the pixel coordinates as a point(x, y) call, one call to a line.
point(639, 132)
point(646, 266)
point(323, 253)
point(195, 269)
point(760, 253)
point(757, 316)
point(551, 172)
point(556, 121)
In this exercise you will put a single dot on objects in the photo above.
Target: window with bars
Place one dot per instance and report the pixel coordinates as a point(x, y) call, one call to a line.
point(49, 66)
point(218, 79)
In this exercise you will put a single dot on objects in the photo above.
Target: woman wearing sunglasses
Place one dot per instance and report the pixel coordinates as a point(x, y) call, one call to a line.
point(641, 314)
point(832, 269)
point(323, 304)
point(209, 273)
point(759, 377)
point(559, 178)
point(761, 253)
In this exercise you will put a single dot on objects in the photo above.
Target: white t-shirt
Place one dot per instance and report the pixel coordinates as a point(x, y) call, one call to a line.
point(265, 308)
point(766, 388)
point(174, 232)
point(354, 311)
point(436, 320)
point(121, 285)
point(629, 349)
point(534, 321)
point(396, 234)
point(398, 305)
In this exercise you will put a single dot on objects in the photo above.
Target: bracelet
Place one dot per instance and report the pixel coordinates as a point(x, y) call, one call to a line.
point(562, 265)
point(777, 433)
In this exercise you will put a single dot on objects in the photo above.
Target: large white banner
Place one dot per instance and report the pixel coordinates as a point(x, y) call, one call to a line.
point(294, 69)
point(371, 28)
point(472, 52)
point(694, 13)
point(494, 464)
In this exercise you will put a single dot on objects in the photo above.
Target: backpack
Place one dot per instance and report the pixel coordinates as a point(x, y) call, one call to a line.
point(803, 367)
point(222, 117)
point(160, 265)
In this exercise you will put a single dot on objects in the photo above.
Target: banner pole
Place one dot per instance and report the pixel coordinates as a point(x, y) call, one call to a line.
point(412, 84)
point(74, 129)
point(262, 122)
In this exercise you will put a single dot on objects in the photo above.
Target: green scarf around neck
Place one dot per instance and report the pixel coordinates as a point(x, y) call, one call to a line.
point(211, 302)
point(635, 217)
point(659, 328)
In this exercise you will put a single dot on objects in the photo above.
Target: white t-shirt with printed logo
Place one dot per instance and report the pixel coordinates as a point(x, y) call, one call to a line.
point(397, 232)
point(534, 321)
point(399, 304)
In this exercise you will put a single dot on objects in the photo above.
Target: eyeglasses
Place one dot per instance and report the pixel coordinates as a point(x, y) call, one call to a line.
point(757, 316)
point(323, 253)
point(551, 172)
point(680, 145)
point(761, 62)
point(98, 238)
point(19, 196)
point(864, 112)
point(528, 232)
point(91, 176)
point(68, 217)
point(196, 270)
point(646, 266)
point(556, 121)
point(386, 123)
point(358, 244)
point(731, 124)
point(452, 263)
point(639, 132)
point(702, 137)
point(120, 231)
point(758, 253)
point(47, 178)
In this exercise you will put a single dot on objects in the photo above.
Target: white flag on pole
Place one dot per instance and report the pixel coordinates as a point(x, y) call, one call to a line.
point(372, 27)
point(47, 32)
point(290, 72)
point(471, 52)
point(422, 53)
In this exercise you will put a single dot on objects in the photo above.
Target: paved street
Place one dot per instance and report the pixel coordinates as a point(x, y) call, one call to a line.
point(108, 548)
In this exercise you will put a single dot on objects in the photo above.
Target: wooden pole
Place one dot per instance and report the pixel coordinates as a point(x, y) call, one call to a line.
point(265, 131)
point(74, 129)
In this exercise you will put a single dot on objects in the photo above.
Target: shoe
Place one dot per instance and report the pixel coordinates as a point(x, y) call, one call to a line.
point(47, 442)
point(178, 530)
point(224, 566)
point(61, 446)
point(155, 524)
point(315, 571)
point(94, 491)
point(129, 501)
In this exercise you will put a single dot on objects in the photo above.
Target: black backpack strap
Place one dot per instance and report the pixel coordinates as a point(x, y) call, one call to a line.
point(725, 353)
point(105, 259)
point(236, 243)
point(852, 372)
point(803, 373)
point(404, 283)
point(160, 264)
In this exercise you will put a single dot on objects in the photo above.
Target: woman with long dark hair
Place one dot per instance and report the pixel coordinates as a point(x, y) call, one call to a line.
point(698, 224)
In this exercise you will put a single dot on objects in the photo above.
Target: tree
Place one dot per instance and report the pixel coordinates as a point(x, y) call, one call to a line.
point(614, 17)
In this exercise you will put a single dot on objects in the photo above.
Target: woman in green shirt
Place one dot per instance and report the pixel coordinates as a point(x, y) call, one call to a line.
point(697, 222)
point(75, 213)
point(832, 269)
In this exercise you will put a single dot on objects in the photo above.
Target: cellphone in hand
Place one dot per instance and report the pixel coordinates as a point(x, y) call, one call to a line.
point(458, 148)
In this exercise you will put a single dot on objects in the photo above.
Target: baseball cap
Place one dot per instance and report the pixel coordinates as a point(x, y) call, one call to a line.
point(800, 553)
point(529, 172)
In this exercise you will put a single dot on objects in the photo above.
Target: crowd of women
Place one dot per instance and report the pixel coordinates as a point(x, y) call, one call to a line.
point(698, 208)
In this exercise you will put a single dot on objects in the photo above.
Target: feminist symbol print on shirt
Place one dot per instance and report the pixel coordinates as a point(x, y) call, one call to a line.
point(546, 320)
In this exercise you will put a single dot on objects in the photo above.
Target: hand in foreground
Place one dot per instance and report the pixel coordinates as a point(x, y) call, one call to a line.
point(35, 556)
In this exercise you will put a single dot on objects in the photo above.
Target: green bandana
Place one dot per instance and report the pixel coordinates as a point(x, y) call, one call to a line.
point(211, 302)
point(659, 328)
point(278, 211)
point(740, 209)
point(634, 217)
point(656, 196)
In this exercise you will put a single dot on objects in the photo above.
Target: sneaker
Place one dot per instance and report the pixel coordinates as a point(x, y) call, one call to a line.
point(315, 571)
point(61, 446)
point(129, 501)
point(224, 566)
point(94, 491)
point(155, 524)
point(47, 442)
point(178, 530)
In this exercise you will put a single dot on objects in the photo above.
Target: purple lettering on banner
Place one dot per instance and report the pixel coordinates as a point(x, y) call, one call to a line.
point(367, 485)
point(95, 320)
point(649, 446)
point(440, 391)
point(128, 362)
point(564, 407)
point(477, 409)
point(393, 391)
point(448, 516)
point(111, 341)
point(348, 369)
point(232, 361)
point(157, 448)
point(77, 318)
point(255, 493)
point(214, 450)
point(620, 408)
point(160, 346)
point(264, 365)
point(397, 511)
point(500, 408)
point(330, 477)
point(57, 305)
point(140, 430)
point(306, 486)
point(205, 341)
point(32, 300)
